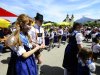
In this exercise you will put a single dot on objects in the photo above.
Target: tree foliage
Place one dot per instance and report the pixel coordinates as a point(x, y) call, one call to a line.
point(92, 23)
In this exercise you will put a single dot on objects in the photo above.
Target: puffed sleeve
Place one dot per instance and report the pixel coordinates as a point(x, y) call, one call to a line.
point(20, 50)
point(79, 38)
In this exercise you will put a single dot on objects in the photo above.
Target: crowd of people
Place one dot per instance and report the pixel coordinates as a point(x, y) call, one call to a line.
point(27, 41)
point(75, 51)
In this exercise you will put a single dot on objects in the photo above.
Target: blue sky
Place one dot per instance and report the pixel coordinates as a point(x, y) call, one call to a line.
point(53, 10)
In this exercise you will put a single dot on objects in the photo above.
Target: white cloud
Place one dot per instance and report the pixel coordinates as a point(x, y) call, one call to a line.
point(50, 11)
point(88, 4)
point(15, 9)
point(80, 5)
point(53, 10)
point(89, 13)
point(55, 13)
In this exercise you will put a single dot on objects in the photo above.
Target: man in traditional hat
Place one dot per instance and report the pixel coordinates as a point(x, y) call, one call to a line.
point(40, 40)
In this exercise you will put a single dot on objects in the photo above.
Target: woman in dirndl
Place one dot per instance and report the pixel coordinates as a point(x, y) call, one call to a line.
point(22, 60)
point(70, 60)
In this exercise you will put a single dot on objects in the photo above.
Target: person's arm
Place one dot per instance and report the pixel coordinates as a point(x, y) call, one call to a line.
point(80, 46)
point(30, 34)
point(52, 34)
point(29, 53)
point(79, 39)
point(22, 52)
point(36, 36)
point(99, 48)
point(61, 32)
point(43, 37)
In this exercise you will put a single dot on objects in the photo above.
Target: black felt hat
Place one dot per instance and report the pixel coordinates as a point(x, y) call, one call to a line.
point(39, 17)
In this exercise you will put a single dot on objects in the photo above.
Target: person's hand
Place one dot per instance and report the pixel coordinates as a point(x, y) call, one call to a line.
point(43, 45)
point(37, 46)
point(33, 45)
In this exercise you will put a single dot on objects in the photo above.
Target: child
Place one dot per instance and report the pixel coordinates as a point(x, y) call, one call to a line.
point(85, 63)
point(96, 48)
point(51, 38)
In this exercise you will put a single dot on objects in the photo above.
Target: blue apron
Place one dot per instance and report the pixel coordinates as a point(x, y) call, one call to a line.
point(83, 70)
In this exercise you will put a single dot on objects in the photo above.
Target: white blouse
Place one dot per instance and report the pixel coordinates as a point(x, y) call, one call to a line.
point(18, 49)
point(60, 31)
point(96, 48)
point(79, 38)
point(32, 33)
point(39, 39)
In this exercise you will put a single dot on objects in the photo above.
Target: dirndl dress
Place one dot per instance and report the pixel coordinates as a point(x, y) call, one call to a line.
point(22, 66)
point(70, 60)
point(83, 70)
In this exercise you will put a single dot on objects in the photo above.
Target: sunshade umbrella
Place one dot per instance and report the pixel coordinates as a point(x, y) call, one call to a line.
point(6, 13)
point(4, 23)
point(64, 23)
point(33, 23)
point(47, 24)
point(43, 24)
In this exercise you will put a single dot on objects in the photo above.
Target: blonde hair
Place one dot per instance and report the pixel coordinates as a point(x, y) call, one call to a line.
point(31, 20)
point(13, 39)
point(21, 20)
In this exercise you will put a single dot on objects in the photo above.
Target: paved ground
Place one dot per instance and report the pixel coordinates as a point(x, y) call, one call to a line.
point(52, 64)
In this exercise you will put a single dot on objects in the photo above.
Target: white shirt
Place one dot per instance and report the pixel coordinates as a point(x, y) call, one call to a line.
point(32, 33)
point(20, 49)
point(60, 32)
point(96, 48)
point(94, 35)
point(79, 38)
point(39, 39)
point(87, 32)
point(52, 35)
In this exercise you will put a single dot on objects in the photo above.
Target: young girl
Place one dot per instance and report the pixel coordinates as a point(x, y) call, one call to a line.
point(22, 61)
point(85, 63)
point(96, 48)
